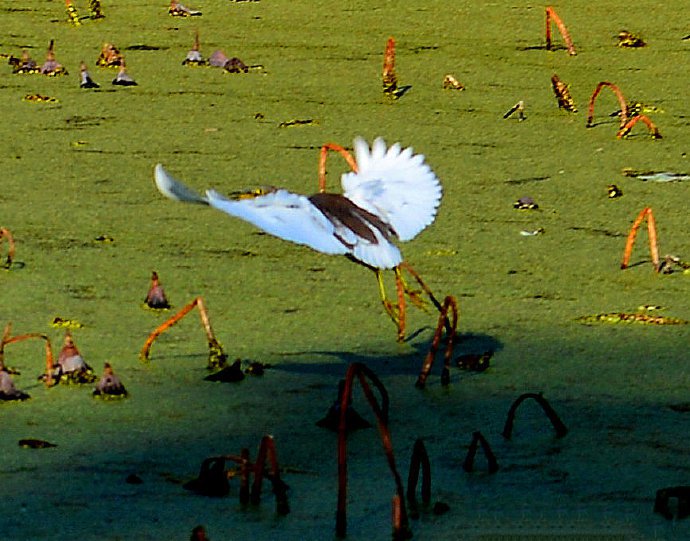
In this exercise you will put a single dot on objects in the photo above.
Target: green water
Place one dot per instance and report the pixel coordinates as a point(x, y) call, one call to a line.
point(82, 167)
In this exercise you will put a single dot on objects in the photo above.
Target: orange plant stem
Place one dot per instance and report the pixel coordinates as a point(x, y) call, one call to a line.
point(145, 351)
point(5, 233)
point(5, 336)
point(623, 104)
point(390, 79)
point(653, 241)
point(549, 10)
point(399, 529)
point(322, 162)
point(630, 241)
point(552, 15)
point(205, 321)
point(625, 130)
point(405, 265)
point(651, 233)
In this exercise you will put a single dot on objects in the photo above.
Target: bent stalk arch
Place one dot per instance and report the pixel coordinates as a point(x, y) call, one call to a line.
point(7, 339)
point(645, 213)
point(551, 15)
point(558, 426)
point(216, 357)
point(364, 375)
point(625, 130)
point(621, 101)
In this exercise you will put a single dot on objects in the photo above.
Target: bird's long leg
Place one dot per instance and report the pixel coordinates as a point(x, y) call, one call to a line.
point(387, 305)
point(395, 311)
point(400, 289)
point(322, 162)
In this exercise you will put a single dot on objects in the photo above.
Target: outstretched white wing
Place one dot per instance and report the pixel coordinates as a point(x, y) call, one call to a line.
point(174, 189)
point(394, 184)
point(285, 215)
point(281, 213)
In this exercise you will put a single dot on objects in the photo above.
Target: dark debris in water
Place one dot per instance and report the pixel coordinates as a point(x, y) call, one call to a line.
point(598, 231)
point(527, 180)
point(134, 479)
point(78, 121)
point(143, 47)
point(235, 372)
point(32, 443)
point(297, 122)
point(683, 407)
point(474, 362)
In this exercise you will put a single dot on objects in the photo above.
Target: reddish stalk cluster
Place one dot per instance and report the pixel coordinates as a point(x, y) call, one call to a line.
point(626, 123)
point(362, 373)
point(390, 79)
point(645, 214)
point(551, 15)
point(213, 477)
point(449, 304)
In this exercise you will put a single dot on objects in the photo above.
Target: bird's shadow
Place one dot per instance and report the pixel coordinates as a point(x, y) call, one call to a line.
point(405, 363)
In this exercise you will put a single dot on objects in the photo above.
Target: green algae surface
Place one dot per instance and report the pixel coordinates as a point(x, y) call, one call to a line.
point(81, 168)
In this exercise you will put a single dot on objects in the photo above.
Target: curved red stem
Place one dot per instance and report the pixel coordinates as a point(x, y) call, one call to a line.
point(621, 102)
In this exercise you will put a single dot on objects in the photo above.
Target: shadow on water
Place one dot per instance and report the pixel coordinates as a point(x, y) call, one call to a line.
point(408, 363)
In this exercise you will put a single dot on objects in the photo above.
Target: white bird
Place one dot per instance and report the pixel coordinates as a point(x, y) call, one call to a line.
point(391, 194)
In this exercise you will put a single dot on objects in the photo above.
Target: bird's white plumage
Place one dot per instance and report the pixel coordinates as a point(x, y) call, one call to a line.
point(285, 215)
point(382, 255)
point(174, 189)
point(394, 184)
